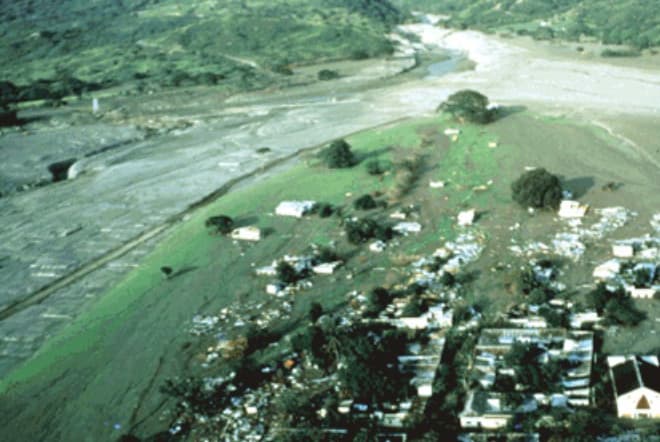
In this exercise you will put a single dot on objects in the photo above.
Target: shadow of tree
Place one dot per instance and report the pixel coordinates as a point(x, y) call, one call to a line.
point(578, 186)
point(505, 111)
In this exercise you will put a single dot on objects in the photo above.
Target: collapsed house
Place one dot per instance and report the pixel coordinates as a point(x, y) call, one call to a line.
point(489, 406)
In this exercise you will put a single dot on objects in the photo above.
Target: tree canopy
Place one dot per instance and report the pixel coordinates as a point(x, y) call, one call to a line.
point(469, 105)
point(537, 188)
point(338, 155)
point(222, 223)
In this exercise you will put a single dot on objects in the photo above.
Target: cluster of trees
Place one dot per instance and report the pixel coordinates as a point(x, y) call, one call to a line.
point(617, 306)
point(362, 230)
point(533, 374)
point(366, 357)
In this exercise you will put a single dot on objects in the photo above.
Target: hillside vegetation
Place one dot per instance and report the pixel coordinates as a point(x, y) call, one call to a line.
point(239, 43)
point(631, 22)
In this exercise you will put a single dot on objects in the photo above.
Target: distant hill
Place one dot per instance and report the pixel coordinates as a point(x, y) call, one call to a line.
point(240, 43)
point(631, 22)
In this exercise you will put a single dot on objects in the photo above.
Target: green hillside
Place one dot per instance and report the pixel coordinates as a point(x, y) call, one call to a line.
point(239, 43)
point(631, 22)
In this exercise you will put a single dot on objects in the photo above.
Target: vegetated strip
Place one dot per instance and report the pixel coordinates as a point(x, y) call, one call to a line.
point(45, 292)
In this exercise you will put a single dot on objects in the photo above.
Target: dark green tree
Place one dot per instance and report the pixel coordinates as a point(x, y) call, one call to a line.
point(338, 155)
point(286, 273)
point(327, 74)
point(222, 223)
point(315, 311)
point(537, 188)
point(469, 105)
point(365, 202)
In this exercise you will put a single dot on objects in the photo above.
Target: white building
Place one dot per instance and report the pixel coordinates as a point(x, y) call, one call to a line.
point(297, 209)
point(623, 250)
point(466, 218)
point(636, 382)
point(327, 268)
point(249, 233)
point(405, 228)
point(607, 270)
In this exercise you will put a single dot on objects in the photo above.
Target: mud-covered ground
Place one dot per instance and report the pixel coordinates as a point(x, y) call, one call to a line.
point(145, 159)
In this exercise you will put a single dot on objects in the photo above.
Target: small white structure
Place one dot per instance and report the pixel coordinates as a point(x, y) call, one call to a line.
point(297, 209)
point(249, 233)
point(425, 390)
point(437, 184)
point(572, 209)
point(406, 228)
point(484, 410)
point(530, 322)
point(466, 218)
point(95, 105)
point(607, 270)
point(642, 292)
point(636, 382)
point(440, 317)
point(623, 250)
point(577, 320)
point(398, 215)
point(377, 246)
point(450, 131)
point(275, 289)
point(327, 268)
point(270, 270)
point(492, 144)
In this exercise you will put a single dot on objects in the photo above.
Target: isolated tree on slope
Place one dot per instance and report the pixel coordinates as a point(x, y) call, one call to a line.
point(338, 155)
point(469, 105)
point(537, 188)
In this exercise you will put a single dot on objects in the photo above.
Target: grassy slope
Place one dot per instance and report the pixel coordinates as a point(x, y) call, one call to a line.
point(139, 323)
point(116, 355)
point(108, 41)
point(630, 22)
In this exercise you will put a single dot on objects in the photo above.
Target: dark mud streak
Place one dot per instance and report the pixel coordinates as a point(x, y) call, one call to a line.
point(133, 422)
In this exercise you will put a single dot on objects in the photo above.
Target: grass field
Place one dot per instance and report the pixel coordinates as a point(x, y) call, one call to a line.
point(108, 365)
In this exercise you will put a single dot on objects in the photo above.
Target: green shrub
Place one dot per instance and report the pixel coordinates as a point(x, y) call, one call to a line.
point(222, 223)
point(365, 202)
point(376, 167)
point(327, 75)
